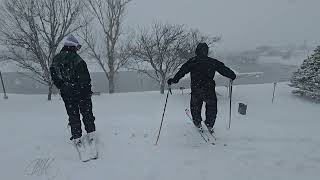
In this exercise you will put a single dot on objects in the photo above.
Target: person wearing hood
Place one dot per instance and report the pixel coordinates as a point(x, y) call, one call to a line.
point(70, 75)
point(203, 69)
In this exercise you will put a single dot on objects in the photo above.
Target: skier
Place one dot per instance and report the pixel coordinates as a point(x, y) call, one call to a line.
point(70, 74)
point(202, 69)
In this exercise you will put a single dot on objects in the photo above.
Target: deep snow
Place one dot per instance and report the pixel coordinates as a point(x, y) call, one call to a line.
point(274, 141)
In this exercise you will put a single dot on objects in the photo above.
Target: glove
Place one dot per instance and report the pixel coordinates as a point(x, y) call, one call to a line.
point(234, 77)
point(172, 81)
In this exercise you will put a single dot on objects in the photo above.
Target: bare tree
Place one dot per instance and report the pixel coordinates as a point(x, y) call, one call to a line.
point(31, 31)
point(160, 51)
point(157, 51)
point(104, 44)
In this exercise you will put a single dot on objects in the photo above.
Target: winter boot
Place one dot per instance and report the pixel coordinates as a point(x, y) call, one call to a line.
point(198, 126)
point(210, 128)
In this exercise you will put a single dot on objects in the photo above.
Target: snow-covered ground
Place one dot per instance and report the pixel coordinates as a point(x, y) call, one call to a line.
point(274, 141)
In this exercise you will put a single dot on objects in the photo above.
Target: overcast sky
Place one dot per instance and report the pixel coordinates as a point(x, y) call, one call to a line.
point(243, 24)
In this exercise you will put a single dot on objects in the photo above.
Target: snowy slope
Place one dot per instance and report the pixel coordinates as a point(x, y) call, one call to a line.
point(274, 141)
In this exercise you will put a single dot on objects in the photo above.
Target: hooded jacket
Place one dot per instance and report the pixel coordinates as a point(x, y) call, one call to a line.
point(69, 72)
point(203, 69)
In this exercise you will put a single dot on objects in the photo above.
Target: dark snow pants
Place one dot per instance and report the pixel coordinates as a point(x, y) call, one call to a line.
point(198, 96)
point(76, 105)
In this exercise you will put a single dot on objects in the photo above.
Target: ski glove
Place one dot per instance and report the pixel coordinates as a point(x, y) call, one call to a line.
point(234, 77)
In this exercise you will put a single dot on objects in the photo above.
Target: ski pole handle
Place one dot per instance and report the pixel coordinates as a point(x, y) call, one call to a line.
point(169, 89)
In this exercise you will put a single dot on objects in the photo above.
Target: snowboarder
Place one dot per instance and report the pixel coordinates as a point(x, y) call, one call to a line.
point(70, 75)
point(203, 69)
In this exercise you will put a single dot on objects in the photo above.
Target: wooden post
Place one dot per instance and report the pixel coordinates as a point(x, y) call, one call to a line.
point(274, 90)
point(4, 89)
point(182, 88)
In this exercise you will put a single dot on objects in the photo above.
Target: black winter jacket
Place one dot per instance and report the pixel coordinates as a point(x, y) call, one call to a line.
point(69, 73)
point(203, 69)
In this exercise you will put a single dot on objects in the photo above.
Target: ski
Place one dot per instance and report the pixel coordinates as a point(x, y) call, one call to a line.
point(211, 133)
point(202, 135)
point(207, 138)
point(86, 147)
point(213, 136)
point(92, 146)
point(80, 146)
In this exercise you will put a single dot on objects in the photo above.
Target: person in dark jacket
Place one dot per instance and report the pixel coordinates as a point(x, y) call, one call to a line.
point(70, 74)
point(203, 69)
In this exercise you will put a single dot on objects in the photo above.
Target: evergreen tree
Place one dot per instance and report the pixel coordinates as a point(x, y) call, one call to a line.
point(307, 79)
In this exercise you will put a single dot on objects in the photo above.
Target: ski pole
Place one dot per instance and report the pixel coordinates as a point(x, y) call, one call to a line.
point(164, 110)
point(230, 97)
point(4, 89)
